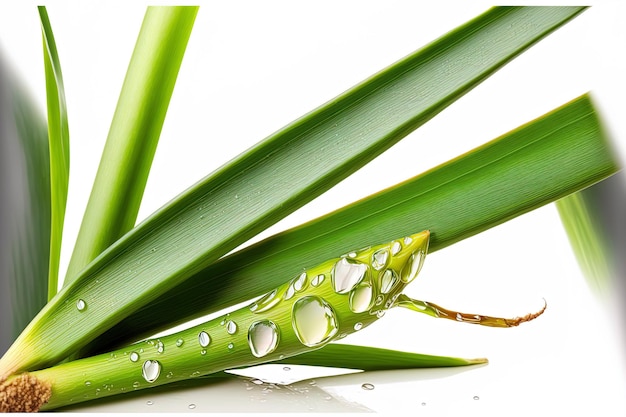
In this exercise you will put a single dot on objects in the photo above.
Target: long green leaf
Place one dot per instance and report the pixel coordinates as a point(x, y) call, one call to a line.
point(558, 154)
point(595, 222)
point(123, 172)
point(59, 145)
point(24, 208)
point(367, 358)
point(274, 178)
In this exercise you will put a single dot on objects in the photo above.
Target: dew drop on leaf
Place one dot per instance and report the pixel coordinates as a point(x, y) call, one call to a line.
point(151, 370)
point(179, 342)
point(204, 339)
point(81, 305)
point(396, 247)
point(361, 298)
point(263, 337)
point(231, 327)
point(317, 280)
point(380, 258)
point(388, 281)
point(347, 274)
point(134, 356)
point(412, 267)
point(314, 321)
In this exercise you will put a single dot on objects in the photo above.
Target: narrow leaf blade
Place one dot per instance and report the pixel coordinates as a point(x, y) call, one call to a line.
point(134, 134)
point(24, 208)
point(59, 145)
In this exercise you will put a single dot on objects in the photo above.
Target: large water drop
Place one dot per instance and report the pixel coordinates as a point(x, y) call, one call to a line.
point(379, 259)
point(300, 283)
point(412, 267)
point(396, 248)
point(347, 274)
point(151, 370)
point(361, 298)
point(314, 321)
point(263, 337)
point(388, 280)
point(317, 280)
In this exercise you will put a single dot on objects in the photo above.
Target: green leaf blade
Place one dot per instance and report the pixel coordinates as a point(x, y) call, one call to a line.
point(366, 358)
point(24, 208)
point(134, 134)
point(59, 145)
point(271, 180)
point(538, 163)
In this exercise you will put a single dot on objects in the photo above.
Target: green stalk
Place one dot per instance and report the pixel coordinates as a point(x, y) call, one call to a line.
point(123, 172)
point(272, 179)
point(322, 304)
point(555, 155)
point(59, 145)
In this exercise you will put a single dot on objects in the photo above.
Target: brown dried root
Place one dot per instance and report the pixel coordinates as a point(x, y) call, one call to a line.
point(437, 311)
point(23, 393)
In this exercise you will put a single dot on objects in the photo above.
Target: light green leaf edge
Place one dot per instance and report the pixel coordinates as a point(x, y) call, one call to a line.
point(59, 145)
point(134, 133)
point(547, 159)
point(239, 200)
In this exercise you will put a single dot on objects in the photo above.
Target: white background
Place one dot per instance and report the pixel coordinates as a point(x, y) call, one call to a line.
point(250, 68)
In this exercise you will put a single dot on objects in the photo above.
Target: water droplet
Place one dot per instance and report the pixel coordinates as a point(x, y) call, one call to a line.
point(408, 240)
point(476, 397)
point(352, 255)
point(204, 339)
point(380, 314)
point(179, 342)
point(254, 307)
point(380, 258)
point(388, 281)
point(149, 402)
point(151, 370)
point(314, 321)
point(358, 326)
point(300, 283)
point(367, 387)
point(263, 337)
point(169, 375)
point(256, 381)
point(346, 275)
point(291, 291)
point(317, 280)
point(191, 406)
point(266, 302)
point(160, 347)
point(81, 305)
point(412, 267)
point(136, 384)
point(379, 300)
point(134, 357)
point(195, 374)
point(231, 346)
point(203, 352)
point(286, 368)
point(396, 247)
point(87, 383)
point(231, 327)
point(361, 298)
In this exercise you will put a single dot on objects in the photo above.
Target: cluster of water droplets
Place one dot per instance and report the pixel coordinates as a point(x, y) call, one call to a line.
point(370, 280)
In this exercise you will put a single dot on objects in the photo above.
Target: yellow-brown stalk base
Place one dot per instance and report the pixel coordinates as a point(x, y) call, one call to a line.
point(23, 393)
